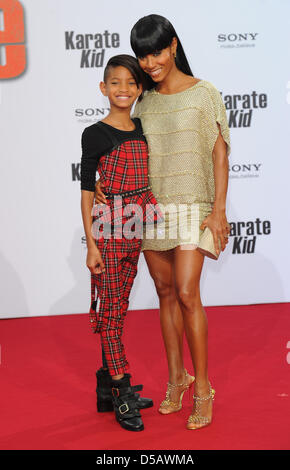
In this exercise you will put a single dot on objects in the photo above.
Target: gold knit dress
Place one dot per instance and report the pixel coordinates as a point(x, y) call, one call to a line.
point(181, 130)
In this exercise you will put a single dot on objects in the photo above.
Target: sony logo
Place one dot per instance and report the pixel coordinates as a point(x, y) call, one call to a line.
point(245, 167)
point(232, 37)
point(91, 112)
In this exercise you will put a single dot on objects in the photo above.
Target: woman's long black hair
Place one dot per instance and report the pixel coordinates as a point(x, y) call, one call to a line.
point(153, 33)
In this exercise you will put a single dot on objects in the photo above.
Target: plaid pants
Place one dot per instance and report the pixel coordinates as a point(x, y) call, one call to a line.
point(120, 257)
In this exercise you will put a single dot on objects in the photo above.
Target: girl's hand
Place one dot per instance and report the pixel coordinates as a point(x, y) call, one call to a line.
point(100, 198)
point(94, 261)
point(217, 222)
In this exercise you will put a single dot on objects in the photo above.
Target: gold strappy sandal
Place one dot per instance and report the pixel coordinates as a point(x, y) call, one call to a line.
point(168, 406)
point(196, 420)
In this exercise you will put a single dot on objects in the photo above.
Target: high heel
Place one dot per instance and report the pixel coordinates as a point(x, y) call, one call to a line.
point(169, 406)
point(196, 420)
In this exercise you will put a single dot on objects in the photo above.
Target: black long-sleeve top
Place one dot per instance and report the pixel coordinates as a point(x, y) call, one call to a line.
point(95, 143)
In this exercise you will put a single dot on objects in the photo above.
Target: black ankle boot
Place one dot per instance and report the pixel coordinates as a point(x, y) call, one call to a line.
point(104, 393)
point(124, 402)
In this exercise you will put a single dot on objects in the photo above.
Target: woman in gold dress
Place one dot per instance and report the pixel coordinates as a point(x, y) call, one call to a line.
point(184, 121)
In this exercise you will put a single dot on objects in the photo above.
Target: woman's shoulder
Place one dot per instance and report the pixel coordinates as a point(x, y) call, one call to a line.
point(210, 90)
point(206, 84)
point(202, 93)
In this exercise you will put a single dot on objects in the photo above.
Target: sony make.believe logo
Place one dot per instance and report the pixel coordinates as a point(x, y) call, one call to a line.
point(240, 107)
point(238, 40)
point(244, 170)
point(92, 114)
point(12, 49)
point(92, 46)
point(245, 234)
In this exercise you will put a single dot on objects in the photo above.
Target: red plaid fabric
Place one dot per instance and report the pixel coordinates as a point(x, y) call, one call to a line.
point(122, 169)
point(125, 169)
point(113, 289)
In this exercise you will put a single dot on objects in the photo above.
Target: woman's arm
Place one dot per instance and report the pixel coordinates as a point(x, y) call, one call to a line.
point(216, 220)
point(94, 259)
point(100, 197)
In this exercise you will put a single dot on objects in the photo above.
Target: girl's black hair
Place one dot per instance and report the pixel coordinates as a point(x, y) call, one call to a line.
point(153, 33)
point(130, 63)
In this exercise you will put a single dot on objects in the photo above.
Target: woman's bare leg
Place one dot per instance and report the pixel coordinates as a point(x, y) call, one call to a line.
point(160, 264)
point(187, 269)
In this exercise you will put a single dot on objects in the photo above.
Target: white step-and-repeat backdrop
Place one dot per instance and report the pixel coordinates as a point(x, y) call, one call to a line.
point(52, 54)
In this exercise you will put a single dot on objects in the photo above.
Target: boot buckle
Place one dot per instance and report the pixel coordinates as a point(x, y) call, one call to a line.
point(125, 410)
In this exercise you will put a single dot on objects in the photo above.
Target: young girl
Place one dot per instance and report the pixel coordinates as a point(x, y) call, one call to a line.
point(117, 149)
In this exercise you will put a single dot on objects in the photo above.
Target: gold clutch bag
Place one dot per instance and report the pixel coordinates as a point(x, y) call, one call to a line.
point(206, 244)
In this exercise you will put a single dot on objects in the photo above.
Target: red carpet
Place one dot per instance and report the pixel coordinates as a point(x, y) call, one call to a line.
point(48, 383)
